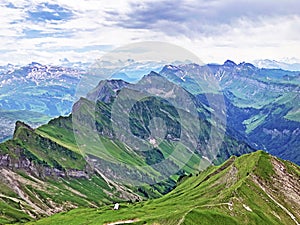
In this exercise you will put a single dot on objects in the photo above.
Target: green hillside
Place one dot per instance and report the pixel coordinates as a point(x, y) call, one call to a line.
point(43, 171)
point(256, 188)
point(40, 177)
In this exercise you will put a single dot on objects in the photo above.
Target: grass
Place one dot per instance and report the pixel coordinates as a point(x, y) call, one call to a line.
point(10, 214)
point(201, 199)
point(92, 192)
point(293, 115)
point(264, 167)
point(204, 217)
point(66, 193)
point(254, 122)
point(61, 136)
point(48, 151)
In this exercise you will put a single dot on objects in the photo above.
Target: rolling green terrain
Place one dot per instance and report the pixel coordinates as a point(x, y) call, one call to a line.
point(255, 188)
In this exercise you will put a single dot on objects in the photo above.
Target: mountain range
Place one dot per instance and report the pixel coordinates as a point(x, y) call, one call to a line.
point(173, 137)
point(261, 104)
point(288, 64)
point(35, 93)
point(50, 155)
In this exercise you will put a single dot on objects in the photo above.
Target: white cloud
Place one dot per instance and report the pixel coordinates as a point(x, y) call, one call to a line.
point(214, 30)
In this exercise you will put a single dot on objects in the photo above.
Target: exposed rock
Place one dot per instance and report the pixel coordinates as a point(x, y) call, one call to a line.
point(23, 163)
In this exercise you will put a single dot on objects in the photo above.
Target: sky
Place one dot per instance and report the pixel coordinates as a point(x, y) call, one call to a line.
point(84, 30)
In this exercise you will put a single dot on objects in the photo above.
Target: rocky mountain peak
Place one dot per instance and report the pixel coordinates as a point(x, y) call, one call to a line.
point(229, 63)
point(106, 89)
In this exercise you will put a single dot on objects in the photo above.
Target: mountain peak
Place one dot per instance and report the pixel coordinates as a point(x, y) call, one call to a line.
point(106, 89)
point(229, 63)
point(167, 68)
point(153, 74)
point(248, 65)
point(19, 125)
point(33, 64)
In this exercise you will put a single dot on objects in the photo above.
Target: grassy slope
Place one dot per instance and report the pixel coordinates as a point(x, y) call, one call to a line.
point(274, 127)
point(52, 193)
point(50, 196)
point(202, 199)
point(47, 150)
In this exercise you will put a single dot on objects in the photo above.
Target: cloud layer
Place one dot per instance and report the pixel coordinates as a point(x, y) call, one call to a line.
point(83, 30)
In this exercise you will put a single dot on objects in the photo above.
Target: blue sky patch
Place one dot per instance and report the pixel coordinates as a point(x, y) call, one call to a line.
point(11, 6)
point(57, 33)
point(49, 12)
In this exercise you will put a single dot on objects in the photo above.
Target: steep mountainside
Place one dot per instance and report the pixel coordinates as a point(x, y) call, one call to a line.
point(173, 144)
point(262, 104)
point(40, 177)
point(256, 188)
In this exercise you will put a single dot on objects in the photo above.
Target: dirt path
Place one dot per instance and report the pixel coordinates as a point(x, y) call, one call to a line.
point(122, 222)
point(183, 218)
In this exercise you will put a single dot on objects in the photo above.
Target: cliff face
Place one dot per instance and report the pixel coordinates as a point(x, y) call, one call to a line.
point(41, 156)
point(41, 171)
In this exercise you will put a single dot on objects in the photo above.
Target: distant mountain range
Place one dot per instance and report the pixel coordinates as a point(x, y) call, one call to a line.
point(262, 104)
point(35, 93)
point(293, 64)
